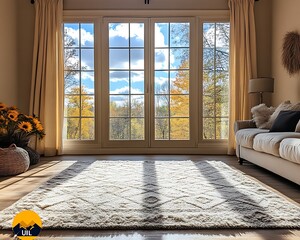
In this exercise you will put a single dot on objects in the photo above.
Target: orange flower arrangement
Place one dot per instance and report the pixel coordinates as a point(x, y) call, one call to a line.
point(16, 127)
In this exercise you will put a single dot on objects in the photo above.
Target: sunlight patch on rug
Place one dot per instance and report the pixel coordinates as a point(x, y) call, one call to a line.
point(155, 195)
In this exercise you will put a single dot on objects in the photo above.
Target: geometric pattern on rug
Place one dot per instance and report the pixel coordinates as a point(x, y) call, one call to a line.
point(155, 195)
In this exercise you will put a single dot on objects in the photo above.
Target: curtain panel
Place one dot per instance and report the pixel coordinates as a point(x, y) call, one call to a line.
point(242, 62)
point(46, 96)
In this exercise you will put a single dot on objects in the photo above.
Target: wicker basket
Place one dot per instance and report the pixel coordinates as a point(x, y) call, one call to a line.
point(13, 160)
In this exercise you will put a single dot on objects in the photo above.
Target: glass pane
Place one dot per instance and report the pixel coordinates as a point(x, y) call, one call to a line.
point(208, 128)
point(222, 128)
point(119, 106)
point(118, 34)
point(222, 59)
point(72, 106)
point(222, 82)
point(137, 58)
point(119, 129)
point(71, 35)
point(179, 106)
point(72, 126)
point(179, 129)
point(162, 106)
point(87, 83)
point(208, 106)
point(72, 82)
point(222, 30)
point(161, 59)
point(118, 82)
point(137, 82)
point(87, 34)
point(179, 34)
point(161, 34)
point(118, 59)
point(208, 82)
point(179, 58)
point(208, 59)
point(87, 59)
point(137, 34)
point(119, 85)
point(222, 106)
point(87, 129)
point(137, 129)
point(180, 82)
point(161, 82)
point(208, 35)
point(161, 129)
point(87, 106)
point(137, 106)
point(71, 59)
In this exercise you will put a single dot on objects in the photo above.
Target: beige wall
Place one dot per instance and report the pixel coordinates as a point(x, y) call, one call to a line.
point(286, 18)
point(140, 4)
point(25, 48)
point(16, 44)
point(8, 50)
point(263, 24)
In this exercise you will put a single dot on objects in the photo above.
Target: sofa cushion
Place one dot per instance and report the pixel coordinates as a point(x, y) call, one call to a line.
point(286, 121)
point(284, 106)
point(298, 127)
point(269, 142)
point(261, 114)
point(290, 149)
point(244, 137)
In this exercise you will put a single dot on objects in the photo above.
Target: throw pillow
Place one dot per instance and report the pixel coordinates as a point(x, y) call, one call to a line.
point(286, 121)
point(284, 106)
point(261, 114)
point(298, 127)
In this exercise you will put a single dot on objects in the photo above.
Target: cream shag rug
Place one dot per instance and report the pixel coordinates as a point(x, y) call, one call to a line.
point(155, 195)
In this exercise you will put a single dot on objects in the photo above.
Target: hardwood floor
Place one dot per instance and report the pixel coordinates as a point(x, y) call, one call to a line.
point(13, 188)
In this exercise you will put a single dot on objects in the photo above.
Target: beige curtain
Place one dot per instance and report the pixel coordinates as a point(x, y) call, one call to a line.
point(46, 97)
point(242, 61)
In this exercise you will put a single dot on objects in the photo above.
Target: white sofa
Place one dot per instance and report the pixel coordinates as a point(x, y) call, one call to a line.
point(278, 152)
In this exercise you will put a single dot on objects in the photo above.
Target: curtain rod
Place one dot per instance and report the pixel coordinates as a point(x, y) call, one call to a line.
point(146, 1)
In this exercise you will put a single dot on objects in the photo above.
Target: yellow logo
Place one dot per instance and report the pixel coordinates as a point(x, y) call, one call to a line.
point(27, 225)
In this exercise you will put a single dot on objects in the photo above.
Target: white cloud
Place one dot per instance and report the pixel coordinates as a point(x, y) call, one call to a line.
point(88, 76)
point(123, 90)
point(121, 30)
point(85, 36)
point(159, 36)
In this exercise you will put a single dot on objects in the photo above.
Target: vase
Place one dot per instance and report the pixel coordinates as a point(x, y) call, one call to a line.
point(34, 156)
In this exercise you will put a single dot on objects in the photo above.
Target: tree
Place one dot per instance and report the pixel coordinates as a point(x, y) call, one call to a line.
point(79, 105)
point(80, 112)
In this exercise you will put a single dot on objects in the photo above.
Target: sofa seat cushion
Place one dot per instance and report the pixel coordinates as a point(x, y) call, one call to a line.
point(269, 142)
point(244, 137)
point(290, 149)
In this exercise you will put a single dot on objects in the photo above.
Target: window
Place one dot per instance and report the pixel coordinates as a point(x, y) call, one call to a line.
point(126, 81)
point(79, 90)
point(172, 58)
point(134, 82)
point(215, 80)
point(139, 114)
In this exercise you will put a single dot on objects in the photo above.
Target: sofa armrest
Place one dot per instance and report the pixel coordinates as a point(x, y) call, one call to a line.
point(242, 124)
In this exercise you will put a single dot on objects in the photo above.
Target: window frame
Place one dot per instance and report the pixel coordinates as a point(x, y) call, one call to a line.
point(97, 146)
